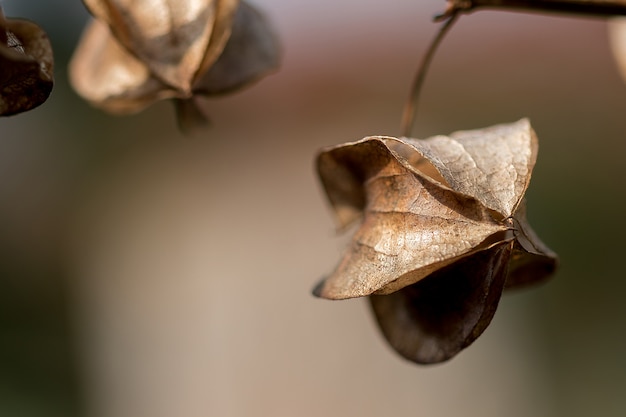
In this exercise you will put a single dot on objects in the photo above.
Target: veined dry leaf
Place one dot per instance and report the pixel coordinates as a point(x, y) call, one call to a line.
point(443, 231)
point(137, 52)
point(26, 66)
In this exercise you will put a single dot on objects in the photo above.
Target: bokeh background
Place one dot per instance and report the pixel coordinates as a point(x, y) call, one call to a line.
point(145, 274)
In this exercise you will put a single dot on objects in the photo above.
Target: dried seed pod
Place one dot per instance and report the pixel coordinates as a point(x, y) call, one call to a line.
point(137, 52)
point(26, 66)
point(443, 231)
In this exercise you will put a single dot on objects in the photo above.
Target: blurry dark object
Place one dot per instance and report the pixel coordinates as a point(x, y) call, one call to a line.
point(26, 66)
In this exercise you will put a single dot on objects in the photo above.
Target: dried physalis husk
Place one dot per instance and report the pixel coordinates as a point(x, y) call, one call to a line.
point(443, 231)
point(26, 66)
point(137, 52)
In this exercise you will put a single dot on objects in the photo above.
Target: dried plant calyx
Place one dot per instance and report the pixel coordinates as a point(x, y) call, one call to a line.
point(137, 52)
point(443, 231)
point(26, 66)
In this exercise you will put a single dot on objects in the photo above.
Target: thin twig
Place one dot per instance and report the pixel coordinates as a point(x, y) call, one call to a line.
point(410, 107)
point(603, 8)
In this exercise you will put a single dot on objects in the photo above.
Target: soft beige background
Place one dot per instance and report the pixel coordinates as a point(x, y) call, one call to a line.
point(150, 275)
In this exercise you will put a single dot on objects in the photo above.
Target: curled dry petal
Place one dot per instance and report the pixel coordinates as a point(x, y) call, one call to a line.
point(26, 66)
point(441, 219)
point(107, 75)
point(411, 225)
point(137, 52)
point(251, 51)
point(433, 320)
point(532, 261)
point(492, 165)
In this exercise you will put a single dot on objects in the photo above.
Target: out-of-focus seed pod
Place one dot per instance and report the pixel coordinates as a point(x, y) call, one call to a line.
point(137, 52)
point(26, 66)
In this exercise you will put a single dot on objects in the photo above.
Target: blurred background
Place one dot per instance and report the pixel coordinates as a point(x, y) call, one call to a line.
point(145, 274)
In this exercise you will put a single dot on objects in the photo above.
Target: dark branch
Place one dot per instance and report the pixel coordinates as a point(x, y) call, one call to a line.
point(602, 8)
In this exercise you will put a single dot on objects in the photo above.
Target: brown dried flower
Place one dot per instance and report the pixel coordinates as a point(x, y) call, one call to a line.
point(137, 52)
point(443, 231)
